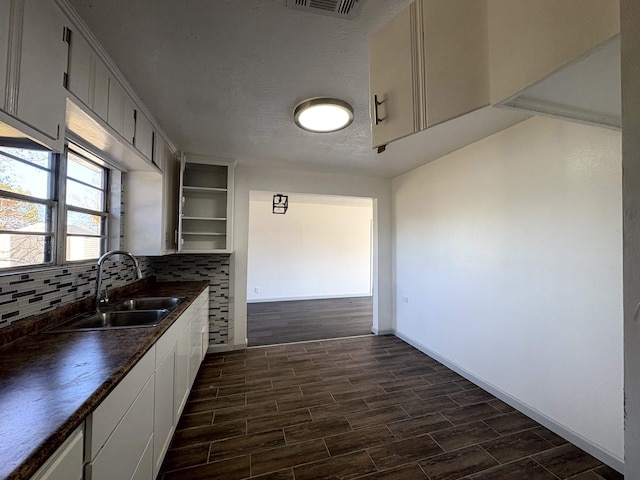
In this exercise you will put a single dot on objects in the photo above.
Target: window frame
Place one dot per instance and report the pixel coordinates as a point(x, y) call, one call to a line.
point(104, 214)
point(57, 202)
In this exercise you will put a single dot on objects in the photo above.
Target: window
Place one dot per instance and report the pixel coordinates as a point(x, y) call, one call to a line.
point(86, 200)
point(27, 207)
point(53, 208)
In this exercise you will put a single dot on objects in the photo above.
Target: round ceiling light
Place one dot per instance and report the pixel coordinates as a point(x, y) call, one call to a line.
point(323, 115)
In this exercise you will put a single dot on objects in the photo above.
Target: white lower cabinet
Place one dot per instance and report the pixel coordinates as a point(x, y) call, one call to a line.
point(120, 428)
point(129, 433)
point(66, 462)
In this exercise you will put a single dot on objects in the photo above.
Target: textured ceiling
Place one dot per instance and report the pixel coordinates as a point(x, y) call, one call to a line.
point(222, 78)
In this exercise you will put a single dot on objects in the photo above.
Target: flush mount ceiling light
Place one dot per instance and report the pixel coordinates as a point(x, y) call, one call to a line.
point(323, 115)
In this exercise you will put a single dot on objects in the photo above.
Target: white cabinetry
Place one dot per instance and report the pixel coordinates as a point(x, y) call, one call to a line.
point(35, 61)
point(151, 220)
point(393, 82)
point(174, 376)
point(206, 205)
point(143, 139)
point(122, 426)
point(66, 462)
point(429, 64)
point(87, 76)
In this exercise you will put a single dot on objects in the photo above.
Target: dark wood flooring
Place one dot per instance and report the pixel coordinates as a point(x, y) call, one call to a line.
point(368, 407)
point(271, 323)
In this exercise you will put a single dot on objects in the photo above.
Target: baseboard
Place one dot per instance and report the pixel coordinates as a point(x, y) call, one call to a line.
point(315, 297)
point(386, 331)
point(566, 433)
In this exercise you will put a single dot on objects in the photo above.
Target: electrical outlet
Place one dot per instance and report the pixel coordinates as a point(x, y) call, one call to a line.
point(405, 299)
point(256, 290)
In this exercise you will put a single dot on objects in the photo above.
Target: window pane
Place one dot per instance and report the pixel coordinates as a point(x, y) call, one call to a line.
point(24, 216)
point(80, 195)
point(37, 157)
point(83, 224)
point(22, 250)
point(83, 248)
point(19, 177)
point(85, 171)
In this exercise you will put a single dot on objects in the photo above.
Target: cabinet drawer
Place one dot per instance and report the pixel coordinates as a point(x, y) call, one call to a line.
point(66, 462)
point(111, 411)
point(121, 454)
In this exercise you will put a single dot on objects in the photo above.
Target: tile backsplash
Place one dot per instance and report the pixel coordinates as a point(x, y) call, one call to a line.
point(26, 294)
point(211, 268)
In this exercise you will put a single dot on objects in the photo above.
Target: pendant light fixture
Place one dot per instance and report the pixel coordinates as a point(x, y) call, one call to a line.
point(323, 115)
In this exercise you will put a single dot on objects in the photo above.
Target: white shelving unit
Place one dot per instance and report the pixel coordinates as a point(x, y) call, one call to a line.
point(206, 205)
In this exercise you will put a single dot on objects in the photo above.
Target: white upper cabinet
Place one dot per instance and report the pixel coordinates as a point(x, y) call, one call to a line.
point(37, 65)
point(456, 58)
point(80, 69)
point(143, 139)
point(392, 79)
point(429, 64)
point(529, 40)
point(205, 223)
point(100, 90)
point(557, 58)
point(151, 222)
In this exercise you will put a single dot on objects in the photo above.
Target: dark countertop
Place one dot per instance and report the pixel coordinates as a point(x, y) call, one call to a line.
point(50, 382)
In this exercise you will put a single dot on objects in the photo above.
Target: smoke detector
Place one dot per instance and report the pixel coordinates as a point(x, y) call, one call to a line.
point(334, 8)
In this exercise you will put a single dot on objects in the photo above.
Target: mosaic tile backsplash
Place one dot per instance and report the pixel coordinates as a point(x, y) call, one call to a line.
point(211, 268)
point(26, 294)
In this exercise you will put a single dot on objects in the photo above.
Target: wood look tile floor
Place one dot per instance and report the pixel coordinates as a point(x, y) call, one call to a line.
point(270, 323)
point(368, 407)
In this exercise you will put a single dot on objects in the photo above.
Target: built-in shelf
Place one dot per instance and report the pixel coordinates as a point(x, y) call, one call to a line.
point(206, 209)
point(204, 189)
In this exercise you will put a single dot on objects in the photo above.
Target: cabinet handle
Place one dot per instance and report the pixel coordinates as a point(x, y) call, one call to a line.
point(376, 104)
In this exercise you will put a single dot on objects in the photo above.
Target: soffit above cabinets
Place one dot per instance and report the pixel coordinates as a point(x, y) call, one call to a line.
point(586, 90)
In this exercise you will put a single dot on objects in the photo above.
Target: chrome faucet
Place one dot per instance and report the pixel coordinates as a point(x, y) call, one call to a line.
point(100, 300)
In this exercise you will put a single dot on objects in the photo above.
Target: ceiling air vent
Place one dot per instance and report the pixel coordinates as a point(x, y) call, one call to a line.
point(334, 8)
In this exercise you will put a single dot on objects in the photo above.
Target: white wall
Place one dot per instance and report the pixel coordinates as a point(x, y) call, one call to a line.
point(630, 50)
point(315, 250)
point(510, 254)
point(276, 180)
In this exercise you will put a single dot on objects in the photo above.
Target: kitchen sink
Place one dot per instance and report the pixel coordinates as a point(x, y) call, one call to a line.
point(147, 303)
point(127, 313)
point(113, 320)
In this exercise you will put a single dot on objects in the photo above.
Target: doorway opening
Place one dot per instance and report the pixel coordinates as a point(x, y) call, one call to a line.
point(310, 270)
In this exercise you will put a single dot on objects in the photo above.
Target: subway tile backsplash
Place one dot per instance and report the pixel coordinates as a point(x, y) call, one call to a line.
point(26, 294)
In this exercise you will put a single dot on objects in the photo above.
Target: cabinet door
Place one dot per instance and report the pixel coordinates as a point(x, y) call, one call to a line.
point(144, 135)
point(100, 89)
point(115, 109)
point(456, 58)
point(43, 61)
point(170, 178)
point(5, 8)
point(121, 454)
point(129, 119)
point(80, 65)
point(163, 423)
point(183, 350)
point(392, 80)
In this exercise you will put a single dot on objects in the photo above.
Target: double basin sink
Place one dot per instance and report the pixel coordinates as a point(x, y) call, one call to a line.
point(126, 313)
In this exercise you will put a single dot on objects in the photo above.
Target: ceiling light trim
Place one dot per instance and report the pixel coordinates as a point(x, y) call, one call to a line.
point(312, 115)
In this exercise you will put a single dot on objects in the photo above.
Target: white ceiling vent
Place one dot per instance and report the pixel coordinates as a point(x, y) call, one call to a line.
point(334, 8)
